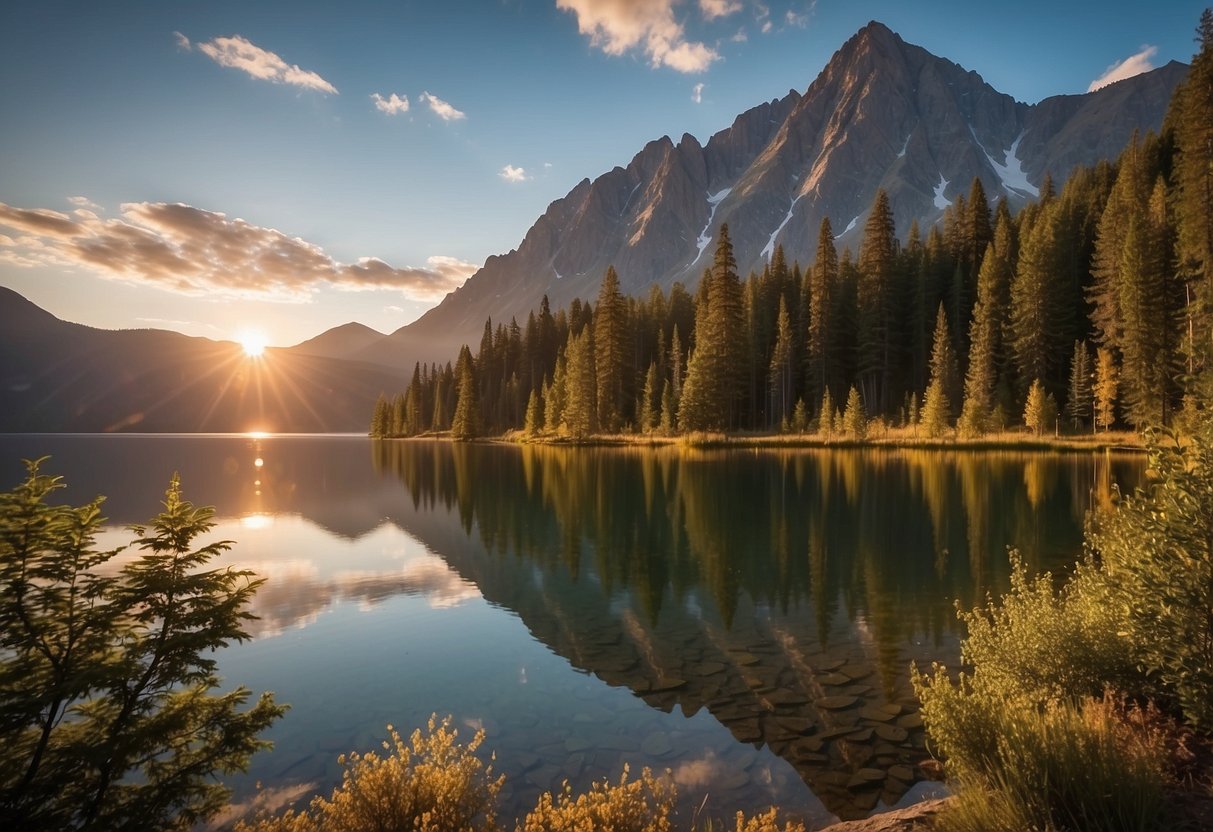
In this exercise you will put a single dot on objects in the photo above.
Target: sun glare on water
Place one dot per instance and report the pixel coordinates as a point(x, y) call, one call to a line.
point(253, 344)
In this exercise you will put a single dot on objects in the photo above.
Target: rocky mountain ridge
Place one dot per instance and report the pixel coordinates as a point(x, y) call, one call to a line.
point(882, 114)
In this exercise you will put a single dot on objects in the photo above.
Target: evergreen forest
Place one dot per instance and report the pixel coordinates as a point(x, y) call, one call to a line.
point(1089, 308)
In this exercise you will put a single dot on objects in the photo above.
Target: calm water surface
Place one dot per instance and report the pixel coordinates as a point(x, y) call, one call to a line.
point(744, 619)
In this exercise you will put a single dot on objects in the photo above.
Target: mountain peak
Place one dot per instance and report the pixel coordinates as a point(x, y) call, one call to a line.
point(883, 114)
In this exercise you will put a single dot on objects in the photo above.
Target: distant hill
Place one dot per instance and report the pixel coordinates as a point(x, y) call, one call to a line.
point(882, 114)
point(58, 376)
point(345, 341)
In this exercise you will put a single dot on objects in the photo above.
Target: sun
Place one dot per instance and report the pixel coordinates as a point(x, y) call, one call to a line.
point(253, 343)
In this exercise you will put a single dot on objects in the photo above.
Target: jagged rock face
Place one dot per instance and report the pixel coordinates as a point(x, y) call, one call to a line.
point(882, 114)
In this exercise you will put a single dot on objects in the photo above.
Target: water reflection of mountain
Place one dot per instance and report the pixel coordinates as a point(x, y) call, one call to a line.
point(785, 593)
point(325, 479)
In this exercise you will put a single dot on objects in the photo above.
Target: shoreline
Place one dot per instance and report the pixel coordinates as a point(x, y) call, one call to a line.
point(1116, 442)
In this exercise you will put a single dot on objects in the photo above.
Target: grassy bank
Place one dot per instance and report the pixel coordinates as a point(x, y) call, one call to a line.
point(884, 438)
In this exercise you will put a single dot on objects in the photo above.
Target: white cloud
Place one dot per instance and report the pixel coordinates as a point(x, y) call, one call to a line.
point(740, 37)
point(392, 105)
point(441, 108)
point(713, 9)
point(798, 20)
point(239, 53)
point(182, 41)
point(204, 253)
point(697, 93)
point(616, 26)
point(83, 202)
point(767, 26)
point(1130, 66)
point(547, 165)
point(512, 174)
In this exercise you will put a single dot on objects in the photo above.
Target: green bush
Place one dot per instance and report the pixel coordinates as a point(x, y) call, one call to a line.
point(642, 805)
point(1045, 644)
point(1023, 739)
point(1085, 766)
point(430, 784)
point(108, 717)
point(1156, 554)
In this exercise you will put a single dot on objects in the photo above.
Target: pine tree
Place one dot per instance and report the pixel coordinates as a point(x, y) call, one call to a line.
point(396, 417)
point(650, 403)
point(1191, 118)
point(381, 418)
point(877, 303)
point(111, 720)
point(580, 410)
point(1080, 400)
point(713, 382)
point(1035, 414)
point(1036, 313)
point(465, 424)
point(610, 351)
point(412, 404)
point(1106, 381)
point(854, 419)
point(985, 342)
point(676, 365)
point(668, 410)
point(825, 419)
point(1144, 321)
point(800, 417)
point(558, 400)
point(822, 279)
point(936, 407)
point(534, 414)
point(780, 374)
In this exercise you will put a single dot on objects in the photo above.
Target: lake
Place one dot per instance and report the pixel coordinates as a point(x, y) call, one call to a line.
point(744, 619)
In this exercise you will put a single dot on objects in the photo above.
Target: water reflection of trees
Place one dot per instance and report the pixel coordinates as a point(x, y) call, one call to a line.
point(756, 585)
point(894, 536)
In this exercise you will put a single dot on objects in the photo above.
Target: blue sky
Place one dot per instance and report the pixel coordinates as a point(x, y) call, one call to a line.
point(222, 167)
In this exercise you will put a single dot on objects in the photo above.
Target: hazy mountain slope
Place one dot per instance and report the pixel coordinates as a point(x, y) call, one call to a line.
point(59, 376)
point(344, 341)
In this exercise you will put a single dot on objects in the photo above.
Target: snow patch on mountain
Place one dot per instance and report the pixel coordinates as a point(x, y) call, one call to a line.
point(705, 239)
point(1014, 178)
point(941, 201)
point(768, 250)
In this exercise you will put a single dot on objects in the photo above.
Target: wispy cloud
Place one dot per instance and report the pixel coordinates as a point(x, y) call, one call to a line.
point(1130, 66)
point(713, 9)
point(441, 108)
point(392, 105)
point(796, 19)
point(616, 26)
point(697, 93)
point(741, 36)
point(239, 53)
point(192, 251)
point(83, 202)
point(513, 174)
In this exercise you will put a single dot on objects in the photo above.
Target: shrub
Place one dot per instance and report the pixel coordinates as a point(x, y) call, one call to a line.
point(1044, 644)
point(642, 805)
point(430, 784)
point(1156, 551)
point(766, 822)
point(1085, 766)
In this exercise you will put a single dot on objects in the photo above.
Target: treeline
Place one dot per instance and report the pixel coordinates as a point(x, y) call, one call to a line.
point(1094, 304)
